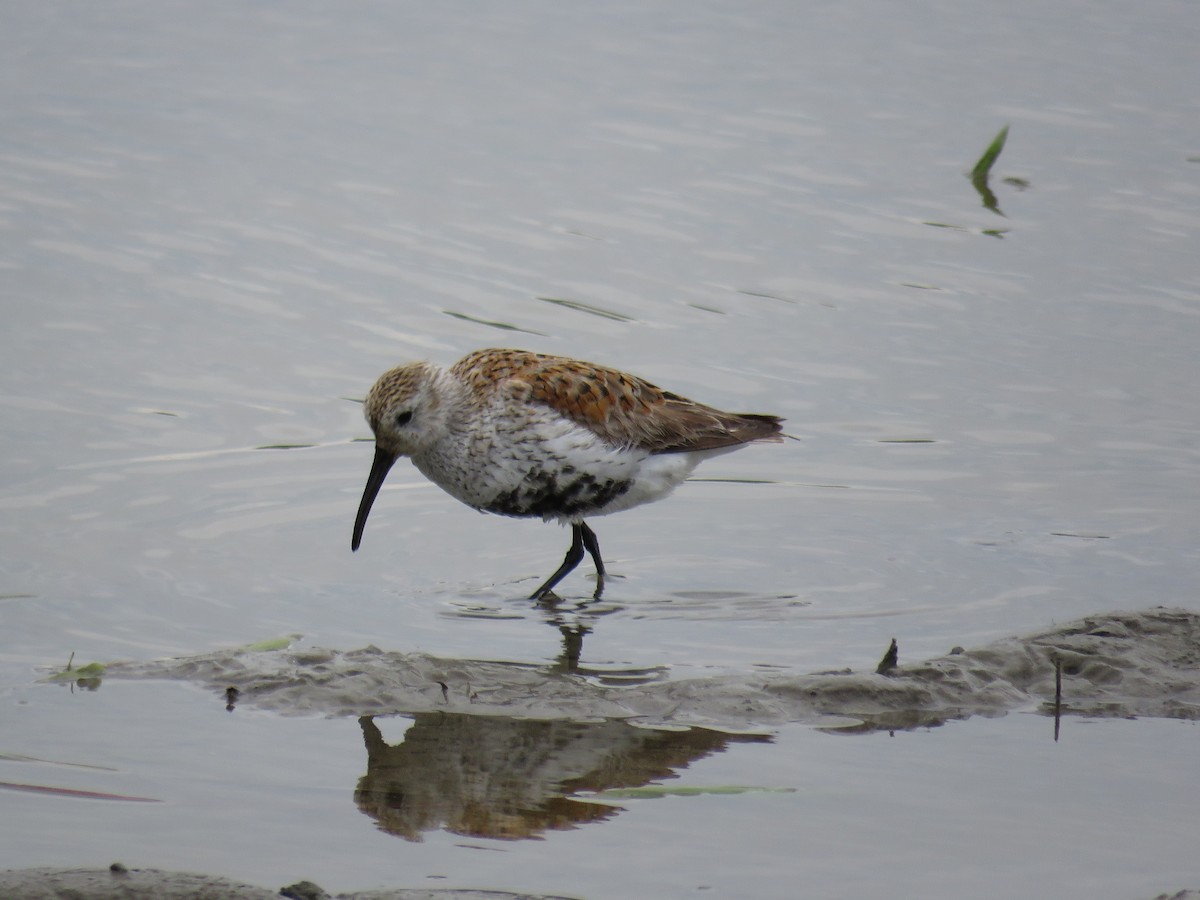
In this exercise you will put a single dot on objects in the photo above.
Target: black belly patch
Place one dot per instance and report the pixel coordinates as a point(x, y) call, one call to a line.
point(559, 494)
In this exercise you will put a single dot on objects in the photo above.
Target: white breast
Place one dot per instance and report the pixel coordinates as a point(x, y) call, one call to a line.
point(533, 462)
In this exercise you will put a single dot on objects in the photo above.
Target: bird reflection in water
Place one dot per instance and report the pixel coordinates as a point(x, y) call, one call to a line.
point(504, 778)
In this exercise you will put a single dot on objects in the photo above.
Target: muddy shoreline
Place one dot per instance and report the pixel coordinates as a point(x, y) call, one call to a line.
point(1122, 664)
point(118, 882)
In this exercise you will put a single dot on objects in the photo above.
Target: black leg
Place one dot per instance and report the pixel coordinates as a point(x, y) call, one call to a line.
point(570, 561)
point(593, 547)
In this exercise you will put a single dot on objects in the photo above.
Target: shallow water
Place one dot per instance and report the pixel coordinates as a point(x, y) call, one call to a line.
point(987, 804)
point(222, 223)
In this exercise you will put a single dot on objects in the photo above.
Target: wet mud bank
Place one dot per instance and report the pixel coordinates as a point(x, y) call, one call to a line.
point(121, 883)
point(1141, 663)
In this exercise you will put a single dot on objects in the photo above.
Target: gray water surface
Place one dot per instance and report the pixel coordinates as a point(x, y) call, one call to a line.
point(222, 222)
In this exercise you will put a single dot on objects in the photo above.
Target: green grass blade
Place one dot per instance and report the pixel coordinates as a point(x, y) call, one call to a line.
point(984, 166)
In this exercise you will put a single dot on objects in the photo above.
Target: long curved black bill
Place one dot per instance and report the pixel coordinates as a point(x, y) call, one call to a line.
point(379, 469)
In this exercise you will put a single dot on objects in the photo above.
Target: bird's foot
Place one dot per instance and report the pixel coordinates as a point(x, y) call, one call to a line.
point(545, 595)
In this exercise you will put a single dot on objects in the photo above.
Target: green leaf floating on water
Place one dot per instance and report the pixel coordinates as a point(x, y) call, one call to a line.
point(984, 166)
point(91, 670)
point(979, 178)
point(279, 643)
point(654, 791)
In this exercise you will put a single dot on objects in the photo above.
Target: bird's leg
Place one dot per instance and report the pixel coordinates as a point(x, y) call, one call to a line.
point(571, 560)
point(593, 547)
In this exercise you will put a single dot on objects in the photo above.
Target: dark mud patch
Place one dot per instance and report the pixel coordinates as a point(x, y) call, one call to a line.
point(1144, 663)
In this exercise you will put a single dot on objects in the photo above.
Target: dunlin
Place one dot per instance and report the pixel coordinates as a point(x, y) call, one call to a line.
point(526, 434)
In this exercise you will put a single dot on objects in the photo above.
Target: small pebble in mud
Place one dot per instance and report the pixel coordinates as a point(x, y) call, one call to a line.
point(118, 868)
point(303, 890)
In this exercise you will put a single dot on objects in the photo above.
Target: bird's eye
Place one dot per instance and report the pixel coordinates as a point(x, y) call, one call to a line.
point(403, 418)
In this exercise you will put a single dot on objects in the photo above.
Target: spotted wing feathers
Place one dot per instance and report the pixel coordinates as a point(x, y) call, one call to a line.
point(623, 409)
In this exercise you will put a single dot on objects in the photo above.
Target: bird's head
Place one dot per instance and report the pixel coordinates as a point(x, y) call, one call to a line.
point(406, 412)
